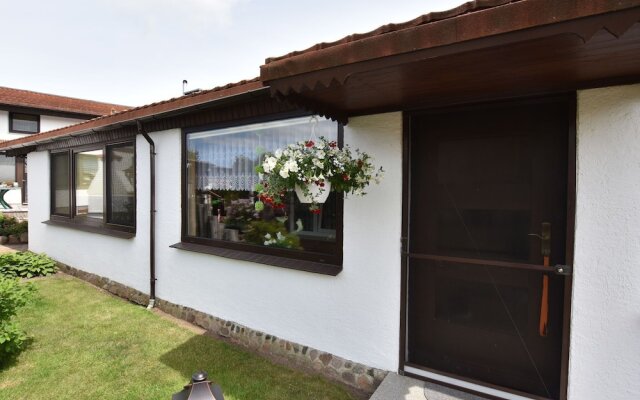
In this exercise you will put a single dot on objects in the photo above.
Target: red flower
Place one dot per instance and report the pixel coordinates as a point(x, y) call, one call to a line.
point(321, 184)
point(333, 144)
point(345, 177)
point(309, 143)
point(315, 211)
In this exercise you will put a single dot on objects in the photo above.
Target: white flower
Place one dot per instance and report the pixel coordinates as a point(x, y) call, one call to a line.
point(291, 165)
point(320, 154)
point(278, 153)
point(267, 236)
point(284, 173)
point(269, 164)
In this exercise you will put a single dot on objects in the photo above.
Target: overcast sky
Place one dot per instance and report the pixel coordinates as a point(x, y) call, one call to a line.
point(135, 52)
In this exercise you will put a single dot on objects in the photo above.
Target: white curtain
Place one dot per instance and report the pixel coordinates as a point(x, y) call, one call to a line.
point(226, 158)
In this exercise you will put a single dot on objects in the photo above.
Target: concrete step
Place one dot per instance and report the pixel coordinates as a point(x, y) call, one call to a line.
point(396, 387)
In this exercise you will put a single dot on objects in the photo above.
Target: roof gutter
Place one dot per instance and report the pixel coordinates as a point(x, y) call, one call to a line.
point(152, 216)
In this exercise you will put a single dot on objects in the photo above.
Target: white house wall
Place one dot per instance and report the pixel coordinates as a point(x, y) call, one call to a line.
point(47, 123)
point(605, 326)
point(125, 261)
point(354, 315)
point(7, 165)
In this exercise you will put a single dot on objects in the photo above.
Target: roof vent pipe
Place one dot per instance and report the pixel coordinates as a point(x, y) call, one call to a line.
point(187, 92)
point(152, 216)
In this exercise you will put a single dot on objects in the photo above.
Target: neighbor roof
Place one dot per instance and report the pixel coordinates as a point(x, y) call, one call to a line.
point(130, 116)
point(52, 102)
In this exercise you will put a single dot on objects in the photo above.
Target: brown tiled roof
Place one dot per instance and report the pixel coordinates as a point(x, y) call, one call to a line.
point(466, 8)
point(139, 113)
point(469, 22)
point(44, 101)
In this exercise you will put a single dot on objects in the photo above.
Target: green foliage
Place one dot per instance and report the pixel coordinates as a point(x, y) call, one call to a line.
point(239, 214)
point(11, 226)
point(12, 340)
point(91, 345)
point(13, 296)
point(26, 265)
point(271, 233)
point(307, 162)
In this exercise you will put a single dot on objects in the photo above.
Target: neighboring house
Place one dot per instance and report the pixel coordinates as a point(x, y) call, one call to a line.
point(499, 254)
point(24, 113)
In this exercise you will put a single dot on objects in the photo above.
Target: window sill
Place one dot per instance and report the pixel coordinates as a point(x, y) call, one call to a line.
point(101, 230)
point(300, 265)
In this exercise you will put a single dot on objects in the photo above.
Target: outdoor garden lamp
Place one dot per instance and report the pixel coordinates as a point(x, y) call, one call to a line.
point(200, 388)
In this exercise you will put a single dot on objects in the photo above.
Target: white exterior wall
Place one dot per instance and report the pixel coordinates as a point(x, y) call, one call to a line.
point(47, 123)
point(7, 171)
point(125, 261)
point(605, 323)
point(354, 315)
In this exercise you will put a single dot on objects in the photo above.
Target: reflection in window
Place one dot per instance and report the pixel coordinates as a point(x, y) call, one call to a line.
point(89, 183)
point(221, 178)
point(60, 184)
point(122, 184)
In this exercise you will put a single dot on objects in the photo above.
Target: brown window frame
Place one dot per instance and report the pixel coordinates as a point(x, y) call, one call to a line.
point(12, 116)
point(322, 263)
point(84, 223)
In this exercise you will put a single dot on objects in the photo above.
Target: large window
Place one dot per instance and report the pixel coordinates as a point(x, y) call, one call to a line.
point(95, 186)
point(220, 179)
point(24, 123)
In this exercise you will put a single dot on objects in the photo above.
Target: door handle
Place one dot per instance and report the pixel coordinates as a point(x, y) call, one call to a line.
point(545, 240)
point(545, 250)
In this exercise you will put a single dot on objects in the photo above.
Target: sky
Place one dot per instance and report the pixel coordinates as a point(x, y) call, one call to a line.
point(135, 52)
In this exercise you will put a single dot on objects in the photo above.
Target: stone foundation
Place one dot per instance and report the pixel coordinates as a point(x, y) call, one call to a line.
point(355, 375)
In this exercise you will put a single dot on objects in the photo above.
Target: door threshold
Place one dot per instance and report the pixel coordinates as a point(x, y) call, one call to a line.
point(474, 387)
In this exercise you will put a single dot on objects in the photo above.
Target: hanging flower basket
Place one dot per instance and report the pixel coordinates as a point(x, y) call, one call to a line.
point(317, 193)
point(313, 170)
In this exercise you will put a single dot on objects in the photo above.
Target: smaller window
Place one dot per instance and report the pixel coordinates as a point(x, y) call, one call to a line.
point(121, 181)
point(24, 123)
point(60, 196)
point(95, 187)
point(89, 179)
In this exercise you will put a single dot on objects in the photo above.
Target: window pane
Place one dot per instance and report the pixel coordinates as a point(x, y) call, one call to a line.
point(89, 183)
point(60, 183)
point(122, 185)
point(25, 123)
point(7, 168)
point(220, 181)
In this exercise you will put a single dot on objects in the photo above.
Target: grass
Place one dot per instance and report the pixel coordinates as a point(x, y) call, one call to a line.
point(89, 345)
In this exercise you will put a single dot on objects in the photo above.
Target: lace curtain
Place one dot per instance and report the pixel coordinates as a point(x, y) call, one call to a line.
point(225, 159)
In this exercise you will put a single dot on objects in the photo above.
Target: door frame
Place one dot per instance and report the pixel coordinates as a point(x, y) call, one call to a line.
point(450, 380)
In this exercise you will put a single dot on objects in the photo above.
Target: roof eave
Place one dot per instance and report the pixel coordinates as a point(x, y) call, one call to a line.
point(111, 122)
point(501, 19)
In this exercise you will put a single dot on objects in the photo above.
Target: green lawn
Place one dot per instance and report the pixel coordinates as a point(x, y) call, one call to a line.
point(89, 345)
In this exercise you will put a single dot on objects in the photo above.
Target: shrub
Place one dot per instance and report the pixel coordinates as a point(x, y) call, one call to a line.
point(271, 233)
point(26, 265)
point(13, 296)
point(11, 226)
